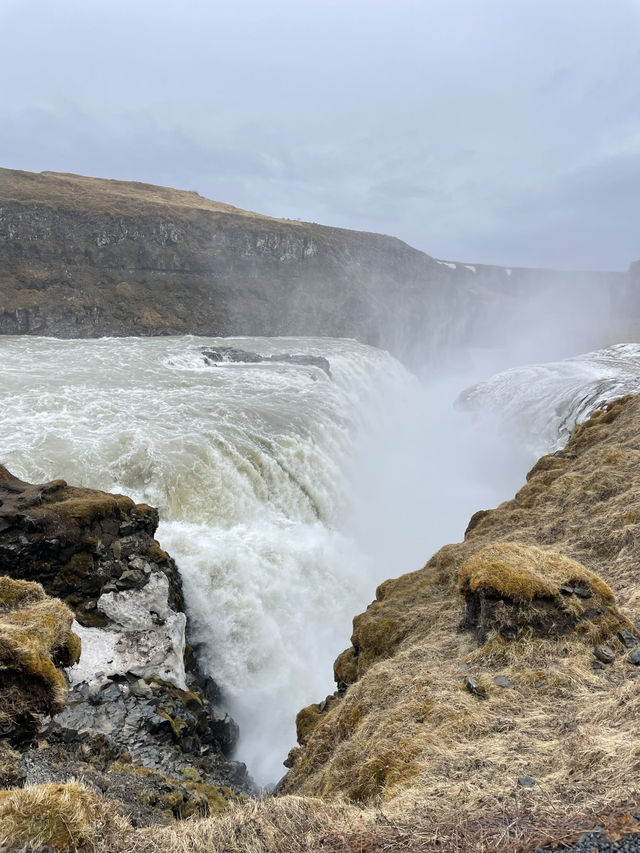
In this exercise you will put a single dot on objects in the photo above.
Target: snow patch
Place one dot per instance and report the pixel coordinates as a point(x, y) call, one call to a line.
point(470, 267)
point(447, 264)
point(148, 639)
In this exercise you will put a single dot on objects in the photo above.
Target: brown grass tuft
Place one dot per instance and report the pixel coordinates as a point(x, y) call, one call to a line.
point(67, 817)
point(35, 640)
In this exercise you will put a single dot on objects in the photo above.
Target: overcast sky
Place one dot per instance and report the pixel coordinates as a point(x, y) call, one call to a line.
point(503, 131)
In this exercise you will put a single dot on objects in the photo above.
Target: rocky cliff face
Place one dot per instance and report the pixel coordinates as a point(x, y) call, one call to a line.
point(139, 720)
point(82, 257)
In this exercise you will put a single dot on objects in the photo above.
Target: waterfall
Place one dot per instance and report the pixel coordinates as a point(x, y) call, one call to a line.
point(285, 495)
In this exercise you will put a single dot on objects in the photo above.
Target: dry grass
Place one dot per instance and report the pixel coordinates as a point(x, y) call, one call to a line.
point(523, 572)
point(125, 198)
point(67, 817)
point(35, 640)
point(410, 738)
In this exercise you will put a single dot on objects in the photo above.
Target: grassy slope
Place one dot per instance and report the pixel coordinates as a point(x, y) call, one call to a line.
point(408, 756)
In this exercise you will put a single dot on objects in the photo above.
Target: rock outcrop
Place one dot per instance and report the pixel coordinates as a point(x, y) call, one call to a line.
point(139, 715)
point(84, 257)
point(231, 355)
point(509, 588)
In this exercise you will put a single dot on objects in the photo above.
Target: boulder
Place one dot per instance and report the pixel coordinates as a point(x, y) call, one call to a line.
point(509, 588)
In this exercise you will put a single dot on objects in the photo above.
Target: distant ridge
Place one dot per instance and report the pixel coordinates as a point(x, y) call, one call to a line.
point(87, 257)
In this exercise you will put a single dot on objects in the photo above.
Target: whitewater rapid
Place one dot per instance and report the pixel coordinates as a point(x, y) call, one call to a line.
point(285, 496)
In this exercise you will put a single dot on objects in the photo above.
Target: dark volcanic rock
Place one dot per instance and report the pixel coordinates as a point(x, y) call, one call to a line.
point(97, 552)
point(76, 542)
point(230, 354)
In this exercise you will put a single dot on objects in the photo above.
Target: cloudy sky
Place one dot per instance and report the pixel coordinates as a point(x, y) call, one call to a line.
point(503, 131)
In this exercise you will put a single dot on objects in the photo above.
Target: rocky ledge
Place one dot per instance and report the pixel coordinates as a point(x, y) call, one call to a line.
point(133, 711)
point(231, 355)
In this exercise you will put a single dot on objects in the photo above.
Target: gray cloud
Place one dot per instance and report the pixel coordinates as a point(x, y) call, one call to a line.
point(495, 131)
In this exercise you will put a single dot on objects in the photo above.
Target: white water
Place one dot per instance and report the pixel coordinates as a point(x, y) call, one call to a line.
point(285, 496)
point(541, 403)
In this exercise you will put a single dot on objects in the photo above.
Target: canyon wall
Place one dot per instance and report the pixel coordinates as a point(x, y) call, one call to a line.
point(86, 257)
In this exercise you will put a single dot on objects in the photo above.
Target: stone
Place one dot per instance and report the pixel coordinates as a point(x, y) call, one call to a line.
point(605, 654)
point(503, 681)
point(232, 355)
point(627, 639)
point(526, 782)
point(473, 687)
point(634, 657)
point(141, 689)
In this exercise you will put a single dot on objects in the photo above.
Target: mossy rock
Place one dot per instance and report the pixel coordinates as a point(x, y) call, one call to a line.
point(35, 640)
point(306, 721)
point(509, 587)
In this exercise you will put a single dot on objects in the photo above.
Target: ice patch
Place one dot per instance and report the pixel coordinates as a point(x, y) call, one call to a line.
point(148, 641)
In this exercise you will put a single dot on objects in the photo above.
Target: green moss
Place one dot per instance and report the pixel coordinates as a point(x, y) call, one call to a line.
point(191, 774)
point(191, 701)
point(88, 505)
point(523, 572)
point(306, 721)
point(375, 637)
point(156, 553)
point(79, 567)
point(345, 667)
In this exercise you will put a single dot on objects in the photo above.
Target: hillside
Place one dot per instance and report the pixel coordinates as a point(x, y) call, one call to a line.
point(86, 257)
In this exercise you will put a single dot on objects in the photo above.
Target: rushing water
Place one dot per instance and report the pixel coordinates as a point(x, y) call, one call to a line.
point(285, 496)
point(541, 403)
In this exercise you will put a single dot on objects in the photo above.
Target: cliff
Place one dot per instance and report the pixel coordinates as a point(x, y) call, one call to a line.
point(133, 716)
point(85, 257)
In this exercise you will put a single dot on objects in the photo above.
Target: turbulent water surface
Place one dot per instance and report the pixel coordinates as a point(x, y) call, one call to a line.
point(542, 403)
point(285, 495)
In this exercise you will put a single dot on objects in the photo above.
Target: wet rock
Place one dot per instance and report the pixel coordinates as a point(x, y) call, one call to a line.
point(57, 535)
point(605, 654)
point(233, 355)
point(131, 693)
point(165, 729)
